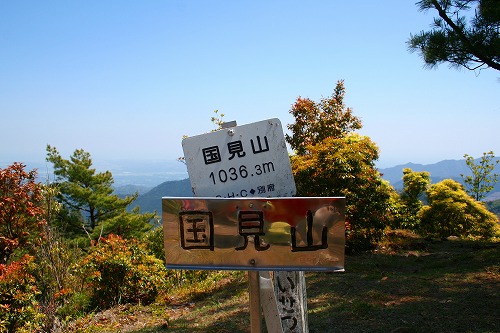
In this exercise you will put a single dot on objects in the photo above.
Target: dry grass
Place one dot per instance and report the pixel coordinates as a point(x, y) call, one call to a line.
point(450, 286)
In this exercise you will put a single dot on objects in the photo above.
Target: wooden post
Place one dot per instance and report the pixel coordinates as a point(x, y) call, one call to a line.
point(254, 295)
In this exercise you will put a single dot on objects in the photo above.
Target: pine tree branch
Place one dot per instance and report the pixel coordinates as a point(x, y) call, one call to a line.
point(463, 38)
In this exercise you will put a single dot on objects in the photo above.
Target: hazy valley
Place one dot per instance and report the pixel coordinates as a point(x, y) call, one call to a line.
point(150, 197)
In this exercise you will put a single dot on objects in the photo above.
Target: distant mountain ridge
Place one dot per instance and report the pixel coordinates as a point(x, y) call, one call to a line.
point(151, 201)
point(447, 169)
point(441, 170)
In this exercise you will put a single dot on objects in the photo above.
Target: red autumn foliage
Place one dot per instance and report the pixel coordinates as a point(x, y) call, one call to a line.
point(21, 208)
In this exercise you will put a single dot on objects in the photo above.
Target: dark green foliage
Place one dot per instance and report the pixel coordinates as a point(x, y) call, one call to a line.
point(126, 224)
point(153, 241)
point(466, 34)
point(89, 206)
point(86, 194)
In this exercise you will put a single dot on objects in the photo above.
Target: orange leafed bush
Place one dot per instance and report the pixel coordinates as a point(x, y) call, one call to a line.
point(18, 304)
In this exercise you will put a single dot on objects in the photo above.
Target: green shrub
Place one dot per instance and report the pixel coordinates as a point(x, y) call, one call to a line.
point(19, 309)
point(154, 243)
point(54, 258)
point(121, 271)
point(77, 304)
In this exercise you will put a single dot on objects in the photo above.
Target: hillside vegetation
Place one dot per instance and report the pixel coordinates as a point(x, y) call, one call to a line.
point(407, 284)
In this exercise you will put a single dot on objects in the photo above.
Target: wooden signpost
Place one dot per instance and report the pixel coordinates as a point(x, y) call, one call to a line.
point(243, 217)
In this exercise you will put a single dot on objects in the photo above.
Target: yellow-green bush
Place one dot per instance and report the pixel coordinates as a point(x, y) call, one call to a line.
point(452, 212)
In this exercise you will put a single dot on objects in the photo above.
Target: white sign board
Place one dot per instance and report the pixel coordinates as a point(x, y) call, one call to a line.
point(242, 161)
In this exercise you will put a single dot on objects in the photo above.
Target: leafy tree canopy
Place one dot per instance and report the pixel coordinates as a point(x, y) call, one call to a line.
point(406, 209)
point(482, 180)
point(345, 167)
point(316, 121)
point(414, 183)
point(127, 224)
point(331, 160)
point(466, 34)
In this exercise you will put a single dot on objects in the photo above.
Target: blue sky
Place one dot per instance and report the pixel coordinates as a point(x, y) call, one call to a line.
point(125, 80)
